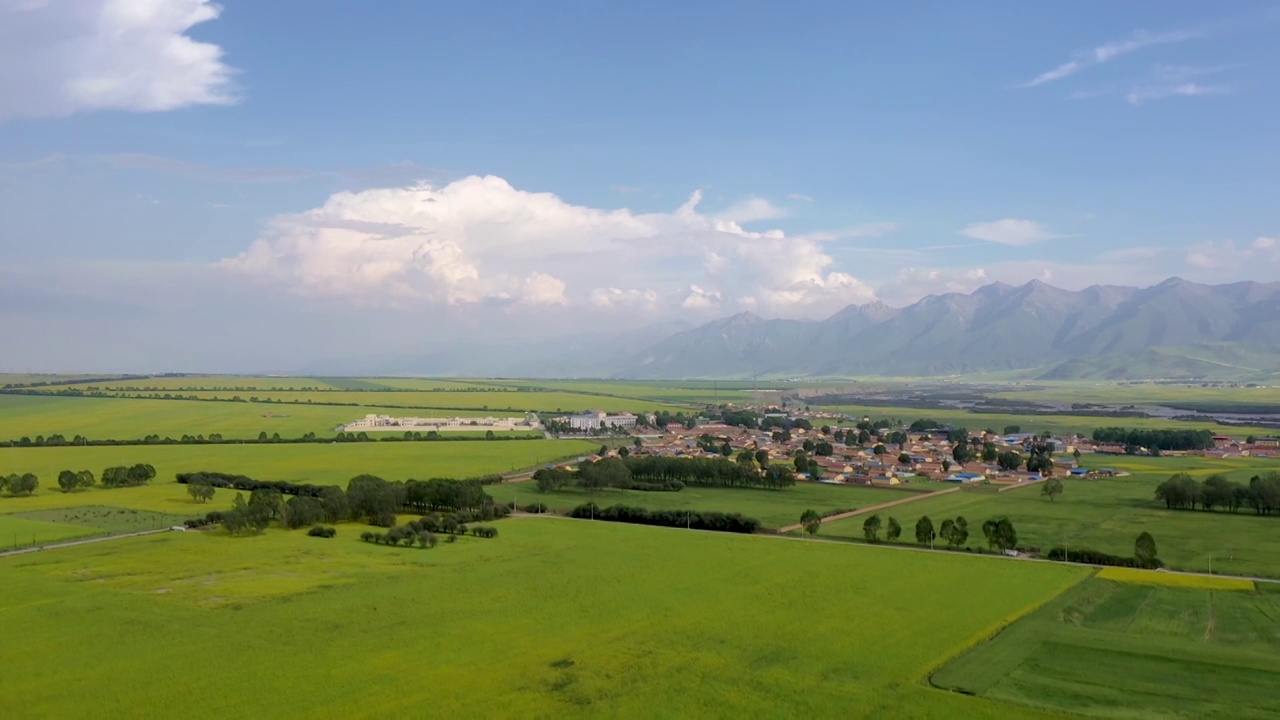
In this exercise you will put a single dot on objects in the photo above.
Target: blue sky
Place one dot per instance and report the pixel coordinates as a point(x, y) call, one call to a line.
point(273, 154)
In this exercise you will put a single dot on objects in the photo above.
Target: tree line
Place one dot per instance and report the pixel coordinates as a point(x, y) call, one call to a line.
point(262, 439)
point(1133, 438)
point(366, 497)
point(691, 519)
point(73, 480)
point(654, 473)
point(1183, 492)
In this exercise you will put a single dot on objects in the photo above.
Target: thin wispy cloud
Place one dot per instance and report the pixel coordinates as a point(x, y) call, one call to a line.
point(1085, 59)
point(800, 197)
point(1164, 81)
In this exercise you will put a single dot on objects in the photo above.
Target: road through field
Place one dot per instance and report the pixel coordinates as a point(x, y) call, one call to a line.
point(82, 541)
point(874, 508)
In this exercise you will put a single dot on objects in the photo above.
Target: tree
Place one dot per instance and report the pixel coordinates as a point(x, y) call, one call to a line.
point(893, 531)
point(1052, 488)
point(68, 481)
point(762, 458)
point(904, 459)
point(962, 453)
point(879, 449)
point(811, 521)
point(1005, 535)
point(201, 492)
point(959, 532)
point(334, 502)
point(551, 479)
point(924, 530)
point(1012, 429)
point(802, 462)
point(1009, 461)
point(24, 484)
point(1250, 440)
point(989, 453)
point(1144, 551)
point(871, 528)
point(989, 532)
point(637, 443)
point(946, 465)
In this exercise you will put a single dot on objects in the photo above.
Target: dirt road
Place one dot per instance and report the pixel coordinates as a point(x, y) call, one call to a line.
point(915, 496)
point(82, 541)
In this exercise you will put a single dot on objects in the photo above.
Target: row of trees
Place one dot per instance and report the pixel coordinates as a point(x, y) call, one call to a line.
point(1155, 439)
point(16, 484)
point(692, 519)
point(1183, 492)
point(262, 438)
point(665, 474)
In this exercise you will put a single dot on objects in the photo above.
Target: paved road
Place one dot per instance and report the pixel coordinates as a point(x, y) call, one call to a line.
point(83, 541)
point(914, 497)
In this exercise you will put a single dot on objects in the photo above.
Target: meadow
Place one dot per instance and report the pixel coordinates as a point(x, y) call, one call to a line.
point(321, 464)
point(496, 402)
point(1057, 424)
point(132, 419)
point(1135, 650)
point(1108, 515)
point(1143, 394)
point(773, 508)
point(552, 618)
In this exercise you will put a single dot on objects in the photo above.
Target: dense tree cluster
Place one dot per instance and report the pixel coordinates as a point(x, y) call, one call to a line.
point(665, 474)
point(321, 531)
point(1155, 439)
point(693, 519)
point(132, 476)
point(23, 484)
point(71, 480)
point(262, 438)
point(1183, 492)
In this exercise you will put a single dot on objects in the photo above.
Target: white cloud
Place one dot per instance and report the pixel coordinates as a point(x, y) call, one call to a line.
point(543, 289)
point(479, 240)
point(617, 297)
point(58, 57)
point(1190, 89)
point(800, 197)
point(699, 299)
point(1108, 52)
point(752, 210)
point(1009, 231)
point(1229, 259)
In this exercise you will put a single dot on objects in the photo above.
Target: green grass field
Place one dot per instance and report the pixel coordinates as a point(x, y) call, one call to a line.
point(553, 618)
point(1108, 515)
point(332, 463)
point(774, 508)
point(1115, 649)
point(131, 419)
point(497, 402)
point(1143, 393)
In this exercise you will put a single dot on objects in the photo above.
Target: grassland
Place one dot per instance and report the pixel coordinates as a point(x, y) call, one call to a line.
point(333, 463)
point(40, 527)
point(774, 508)
point(553, 618)
point(130, 419)
point(496, 402)
point(1057, 424)
point(1118, 649)
point(1107, 515)
point(1143, 394)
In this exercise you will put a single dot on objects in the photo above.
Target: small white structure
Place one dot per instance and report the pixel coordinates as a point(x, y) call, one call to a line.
point(386, 422)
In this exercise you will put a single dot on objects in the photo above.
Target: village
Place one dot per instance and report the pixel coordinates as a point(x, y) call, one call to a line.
point(839, 449)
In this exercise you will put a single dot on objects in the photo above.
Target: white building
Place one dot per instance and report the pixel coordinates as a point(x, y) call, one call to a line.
point(596, 419)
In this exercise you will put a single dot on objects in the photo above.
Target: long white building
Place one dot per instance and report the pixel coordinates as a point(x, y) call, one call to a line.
point(596, 419)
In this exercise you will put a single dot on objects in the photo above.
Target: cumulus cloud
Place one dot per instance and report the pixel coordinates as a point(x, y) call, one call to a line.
point(59, 57)
point(1009, 231)
point(480, 240)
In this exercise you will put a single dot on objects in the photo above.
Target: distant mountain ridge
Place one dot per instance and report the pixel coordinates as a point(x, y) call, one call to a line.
point(998, 327)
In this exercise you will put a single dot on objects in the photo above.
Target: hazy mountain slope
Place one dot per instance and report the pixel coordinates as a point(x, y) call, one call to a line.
point(997, 327)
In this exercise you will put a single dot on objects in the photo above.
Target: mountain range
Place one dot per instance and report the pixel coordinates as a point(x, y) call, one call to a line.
point(1174, 329)
point(1177, 329)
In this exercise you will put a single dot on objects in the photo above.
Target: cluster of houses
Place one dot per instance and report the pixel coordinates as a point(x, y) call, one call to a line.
point(926, 456)
point(1224, 447)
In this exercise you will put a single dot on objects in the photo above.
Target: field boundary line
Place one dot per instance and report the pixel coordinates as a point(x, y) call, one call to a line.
point(81, 541)
point(873, 508)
